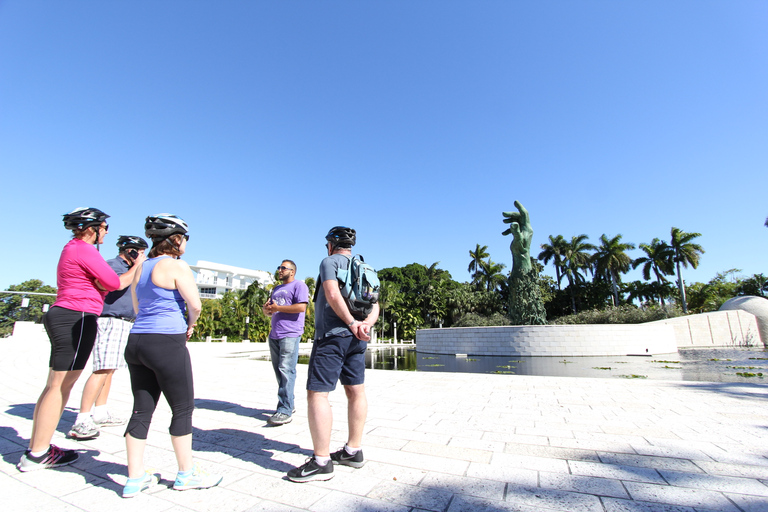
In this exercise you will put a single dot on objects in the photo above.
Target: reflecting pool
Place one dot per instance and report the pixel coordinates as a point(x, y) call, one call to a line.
point(712, 365)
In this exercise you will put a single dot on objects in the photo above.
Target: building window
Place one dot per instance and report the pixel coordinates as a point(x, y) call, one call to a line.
point(211, 291)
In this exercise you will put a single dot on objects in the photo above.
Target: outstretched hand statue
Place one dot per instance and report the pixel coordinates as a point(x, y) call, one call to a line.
point(520, 229)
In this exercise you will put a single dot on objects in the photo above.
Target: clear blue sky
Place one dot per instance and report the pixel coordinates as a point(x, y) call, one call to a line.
point(264, 123)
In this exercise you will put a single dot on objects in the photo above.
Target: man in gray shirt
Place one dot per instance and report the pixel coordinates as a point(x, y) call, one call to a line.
point(338, 354)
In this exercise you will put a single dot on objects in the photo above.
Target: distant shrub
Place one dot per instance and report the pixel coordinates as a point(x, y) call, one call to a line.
point(625, 314)
point(475, 320)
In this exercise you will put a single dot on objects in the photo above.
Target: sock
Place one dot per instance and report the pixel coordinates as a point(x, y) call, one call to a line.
point(351, 451)
point(83, 417)
point(40, 454)
point(100, 412)
point(322, 461)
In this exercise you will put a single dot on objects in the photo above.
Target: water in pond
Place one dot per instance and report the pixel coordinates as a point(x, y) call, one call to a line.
point(712, 365)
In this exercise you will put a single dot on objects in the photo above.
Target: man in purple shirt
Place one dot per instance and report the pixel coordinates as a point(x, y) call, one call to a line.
point(286, 306)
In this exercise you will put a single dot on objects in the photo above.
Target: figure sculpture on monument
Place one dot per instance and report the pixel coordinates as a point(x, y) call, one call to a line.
point(525, 304)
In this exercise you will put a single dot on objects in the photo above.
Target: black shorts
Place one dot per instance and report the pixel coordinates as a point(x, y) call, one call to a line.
point(72, 335)
point(336, 358)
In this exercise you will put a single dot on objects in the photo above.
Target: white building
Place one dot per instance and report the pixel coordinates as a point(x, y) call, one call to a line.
point(213, 279)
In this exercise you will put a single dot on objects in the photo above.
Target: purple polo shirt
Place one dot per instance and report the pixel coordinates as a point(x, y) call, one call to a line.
point(288, 325)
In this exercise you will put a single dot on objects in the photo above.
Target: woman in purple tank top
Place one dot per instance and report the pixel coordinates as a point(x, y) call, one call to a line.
point(167, 306)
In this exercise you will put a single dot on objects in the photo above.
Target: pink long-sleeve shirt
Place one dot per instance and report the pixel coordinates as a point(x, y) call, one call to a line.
point(80, 266)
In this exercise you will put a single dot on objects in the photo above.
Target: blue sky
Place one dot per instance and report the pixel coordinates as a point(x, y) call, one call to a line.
point(264, 123)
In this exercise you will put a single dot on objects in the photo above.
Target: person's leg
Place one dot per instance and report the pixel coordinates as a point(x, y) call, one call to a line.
point(357, 411)
point(286, 373)
point(182, 447)
point(49, 408)
point(146, 394)
point(93, 389)
point(101, 400)
point(135, 449)
point(320, 422)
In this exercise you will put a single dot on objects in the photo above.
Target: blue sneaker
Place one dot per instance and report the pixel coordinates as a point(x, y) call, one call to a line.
point(196, 479)
point(135, 485)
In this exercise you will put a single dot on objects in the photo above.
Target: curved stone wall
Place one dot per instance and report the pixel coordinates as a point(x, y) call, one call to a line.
point(550, 340)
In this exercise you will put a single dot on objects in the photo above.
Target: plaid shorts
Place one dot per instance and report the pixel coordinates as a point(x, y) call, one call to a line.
point(109, 350)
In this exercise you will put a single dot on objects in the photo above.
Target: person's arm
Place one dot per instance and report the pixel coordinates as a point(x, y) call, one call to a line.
point(105, 278)
point(127, 277)
point(292, 308)
point(185, 283)
point(134, 298)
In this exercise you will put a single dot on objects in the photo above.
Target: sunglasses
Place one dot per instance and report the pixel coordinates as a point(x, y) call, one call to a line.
point(284, 268)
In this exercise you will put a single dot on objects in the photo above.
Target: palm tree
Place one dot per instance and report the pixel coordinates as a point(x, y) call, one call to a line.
point(611, 260)
point(575, 260)
point(490, 274)
point(685, 253)
point(658, 259)
point(476, 263)
point(554, 251)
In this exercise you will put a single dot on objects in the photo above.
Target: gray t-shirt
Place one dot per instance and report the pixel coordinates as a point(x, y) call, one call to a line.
point(119, 303)
point(327, 323)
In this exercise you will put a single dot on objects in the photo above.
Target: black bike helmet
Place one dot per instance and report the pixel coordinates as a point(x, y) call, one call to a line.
point(131, 242)
point(81, 218)
point(341, 236)
point(161, 226)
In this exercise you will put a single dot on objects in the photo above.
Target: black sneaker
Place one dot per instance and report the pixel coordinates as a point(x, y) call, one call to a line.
point(310, 471)
point(345, 459)
point(53, 458)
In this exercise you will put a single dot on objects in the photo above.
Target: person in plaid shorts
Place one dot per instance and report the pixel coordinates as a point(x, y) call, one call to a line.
point(115, 325)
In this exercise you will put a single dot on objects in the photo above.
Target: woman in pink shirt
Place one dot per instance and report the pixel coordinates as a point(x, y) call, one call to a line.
point(83, 279)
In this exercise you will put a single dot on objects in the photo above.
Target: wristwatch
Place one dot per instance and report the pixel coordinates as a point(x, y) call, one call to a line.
point(352, 323)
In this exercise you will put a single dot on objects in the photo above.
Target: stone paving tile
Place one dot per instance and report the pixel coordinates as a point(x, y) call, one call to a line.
point(448, 452)
point(278, 490)
point(715, 482)
point(421, 497)
point(410, 435)
point(721, 468)
point(554, 452)
point(20, 497)
point(496, 437)
point(339, 501)
point(491, 446)
point(697, 498)
point(617, 505)
point(583, 484)
point(418, 461)
point(630, 473)
point(508, 460)
point(478, 487)
point(270, 506)
point(749, 503)
point(394, 473)
point(646, 461)
point(553, 499)
point(591, 444)
point(512, 475)
point(472, 504)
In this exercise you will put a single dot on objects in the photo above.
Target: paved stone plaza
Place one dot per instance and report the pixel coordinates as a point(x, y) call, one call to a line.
point(434, 442)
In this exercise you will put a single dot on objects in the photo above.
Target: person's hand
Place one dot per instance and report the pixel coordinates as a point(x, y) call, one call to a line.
point(522, 233)
point(190, 330)
point(361, 330)
point(138, 260)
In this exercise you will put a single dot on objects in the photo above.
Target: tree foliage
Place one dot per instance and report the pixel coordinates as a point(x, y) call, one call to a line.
point(10, 304)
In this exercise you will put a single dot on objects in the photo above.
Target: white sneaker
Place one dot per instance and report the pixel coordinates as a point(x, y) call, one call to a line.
point(84, 430)
point(110, 421)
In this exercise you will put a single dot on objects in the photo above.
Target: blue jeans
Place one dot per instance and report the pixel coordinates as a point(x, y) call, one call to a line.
point(284, 353)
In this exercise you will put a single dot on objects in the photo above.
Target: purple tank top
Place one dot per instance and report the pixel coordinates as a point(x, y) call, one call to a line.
point(161, 311)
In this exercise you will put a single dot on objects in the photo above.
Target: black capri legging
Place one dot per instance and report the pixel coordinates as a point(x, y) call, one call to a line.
point(160, 363)
point(72, 335)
